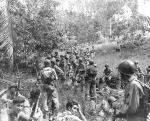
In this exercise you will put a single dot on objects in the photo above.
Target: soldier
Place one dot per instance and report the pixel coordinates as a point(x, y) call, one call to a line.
point(80, 73)
point(62, 62)
point(36, 113)
point(56, 55)
point(90, 82)
point(89, 106)
point(104, 108)
point(139, 72)
point(72, 109)
point(59, 71)
point(49, 83)
point(19, 105)
point(134, 106)
point(107, 72)
point(148, 69)
point(92, 52)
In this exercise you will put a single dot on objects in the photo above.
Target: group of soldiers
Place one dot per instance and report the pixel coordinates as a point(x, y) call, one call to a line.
point(78, 66)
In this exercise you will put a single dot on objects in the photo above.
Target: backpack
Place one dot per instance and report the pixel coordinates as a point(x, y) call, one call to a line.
point(92, 72)
point(47, 75)
point(146, 97)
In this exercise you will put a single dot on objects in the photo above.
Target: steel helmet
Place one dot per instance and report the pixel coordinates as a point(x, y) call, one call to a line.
point(111, 99)
point(127, 67)
point(91, 62)
point(80, 59)
point(47, 62)
point(136, 62)
point(53, 60)
point(106, 65)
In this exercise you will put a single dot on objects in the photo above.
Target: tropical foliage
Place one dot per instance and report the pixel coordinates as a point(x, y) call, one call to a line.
point(37, 26)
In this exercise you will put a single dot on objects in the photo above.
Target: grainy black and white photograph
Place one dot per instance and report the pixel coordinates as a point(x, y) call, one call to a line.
point(74, 60)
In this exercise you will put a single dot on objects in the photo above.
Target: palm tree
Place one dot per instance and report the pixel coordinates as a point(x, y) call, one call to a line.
point(6, 37)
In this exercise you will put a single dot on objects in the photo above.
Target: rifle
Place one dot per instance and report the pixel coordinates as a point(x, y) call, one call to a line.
point(18, 75)
point(114, 114)
point(35, 106)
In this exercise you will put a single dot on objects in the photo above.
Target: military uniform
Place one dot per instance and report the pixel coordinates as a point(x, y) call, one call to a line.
point(134, 103)
point(66, 116)
point(16, 112)
point(90, 80)
point(49, 92)
point(80, 73)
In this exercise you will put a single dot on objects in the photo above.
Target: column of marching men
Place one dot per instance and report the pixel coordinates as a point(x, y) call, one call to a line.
point(75, 64)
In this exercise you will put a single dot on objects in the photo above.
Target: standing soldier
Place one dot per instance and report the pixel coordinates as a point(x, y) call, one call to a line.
point(134, 108)
point(62, 63)
point(139, 72)
point(56, 55)
point(92, 52)
point(49, 83)
point(80, 73)
point(59, 72)
point(90, 82)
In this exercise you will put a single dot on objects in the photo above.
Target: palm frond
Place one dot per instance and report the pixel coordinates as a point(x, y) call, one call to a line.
point(6, 39)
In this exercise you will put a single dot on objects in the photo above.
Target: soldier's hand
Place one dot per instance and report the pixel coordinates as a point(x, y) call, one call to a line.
point(79, 108)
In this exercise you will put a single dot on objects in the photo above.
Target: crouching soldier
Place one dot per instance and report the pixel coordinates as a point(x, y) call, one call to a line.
point(107, 74)
point(19, 106)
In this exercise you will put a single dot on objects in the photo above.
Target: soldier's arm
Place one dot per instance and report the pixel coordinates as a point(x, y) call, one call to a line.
point(58, 69)
point(5, 99)
point(55, 74)
point(81, 114)
point(134, 99)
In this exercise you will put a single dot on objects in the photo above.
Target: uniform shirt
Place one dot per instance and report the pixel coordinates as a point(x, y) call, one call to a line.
point(80, 69)
point(58, 70)
point(25, 109)
point(92, 69)
point(66, 116)
point(148, 70)
point(49, 72)
point(138, 69)
point(133, 95)
point(90, 108)
point(107, 71)
point(104, 111)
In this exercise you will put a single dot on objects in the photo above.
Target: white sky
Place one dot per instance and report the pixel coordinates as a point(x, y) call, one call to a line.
point(144, 7)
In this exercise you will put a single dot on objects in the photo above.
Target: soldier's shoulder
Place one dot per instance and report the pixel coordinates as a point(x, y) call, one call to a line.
point(136, 83)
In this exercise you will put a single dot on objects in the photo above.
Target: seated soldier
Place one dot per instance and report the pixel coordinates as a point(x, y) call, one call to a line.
point(71, 112)
point(105, 108)
point(89, 106)
point(107, 72)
